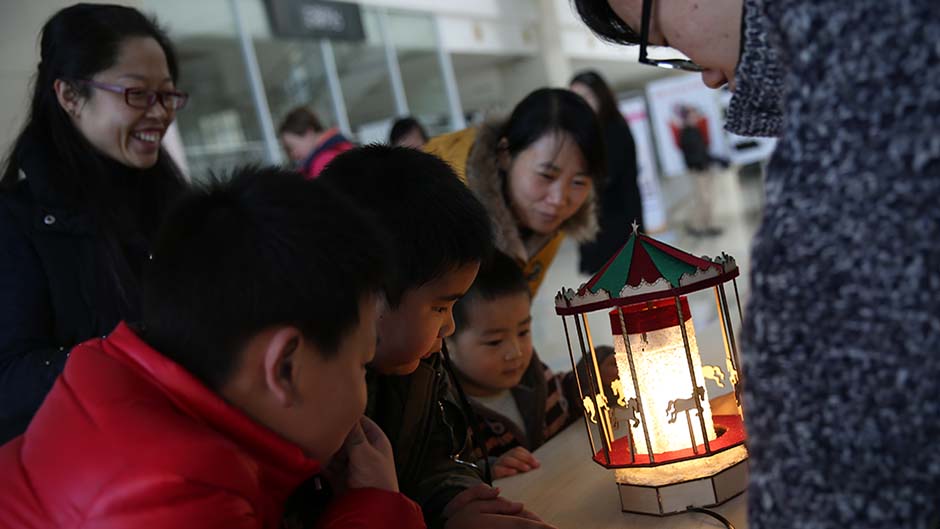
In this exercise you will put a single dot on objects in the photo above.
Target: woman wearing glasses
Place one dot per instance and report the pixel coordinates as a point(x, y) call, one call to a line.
point(535, 172)
point(81, 194)
point(842, 329)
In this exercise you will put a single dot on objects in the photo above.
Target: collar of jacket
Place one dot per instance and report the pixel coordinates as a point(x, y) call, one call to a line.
point(756, 105)
point(485, 179)
point(331, 137)
point(282, 464)
point(530, 395)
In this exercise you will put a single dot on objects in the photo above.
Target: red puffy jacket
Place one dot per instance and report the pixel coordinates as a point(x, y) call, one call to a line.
point(128, 439)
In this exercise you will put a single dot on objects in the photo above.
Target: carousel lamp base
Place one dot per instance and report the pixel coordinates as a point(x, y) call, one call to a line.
point(676, 498)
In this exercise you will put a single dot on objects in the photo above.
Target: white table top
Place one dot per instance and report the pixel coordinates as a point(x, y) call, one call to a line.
point(570, 491)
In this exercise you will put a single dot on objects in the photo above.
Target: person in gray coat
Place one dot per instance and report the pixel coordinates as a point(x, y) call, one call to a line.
point(842, 331)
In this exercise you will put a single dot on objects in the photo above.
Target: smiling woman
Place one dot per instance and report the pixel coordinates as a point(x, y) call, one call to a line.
point(81, 194)
point(536, 172)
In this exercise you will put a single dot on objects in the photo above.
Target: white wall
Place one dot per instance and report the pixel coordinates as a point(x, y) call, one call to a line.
point(469, 35)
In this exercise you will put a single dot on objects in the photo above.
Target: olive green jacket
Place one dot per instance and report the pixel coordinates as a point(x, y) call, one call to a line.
point(429, 433)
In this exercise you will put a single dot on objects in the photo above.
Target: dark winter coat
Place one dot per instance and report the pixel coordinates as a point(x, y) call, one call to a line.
point(694, 148)
point(619, 199)
point(61, 283)
point(842, 331)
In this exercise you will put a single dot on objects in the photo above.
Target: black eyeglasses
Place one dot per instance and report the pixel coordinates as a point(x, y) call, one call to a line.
point(674, 64)
point(142, 98)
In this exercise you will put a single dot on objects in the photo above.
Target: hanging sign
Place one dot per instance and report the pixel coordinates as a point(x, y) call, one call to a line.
point(315, 19)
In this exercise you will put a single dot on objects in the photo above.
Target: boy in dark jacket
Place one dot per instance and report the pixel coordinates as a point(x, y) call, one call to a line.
point(438, 233)
point(519, 401)
point(245, 378)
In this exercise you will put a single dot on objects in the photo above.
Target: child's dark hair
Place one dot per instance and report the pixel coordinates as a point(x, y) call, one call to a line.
point(264, 248)
point(602, 352)
point(402, 127)
point(434, 222)
point(499, 276)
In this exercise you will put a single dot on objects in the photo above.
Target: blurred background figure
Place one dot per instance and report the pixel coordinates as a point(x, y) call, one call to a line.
point(694, 145)
point(308, 144)
point(408, 132)
point(619, 199)
point(83, 190)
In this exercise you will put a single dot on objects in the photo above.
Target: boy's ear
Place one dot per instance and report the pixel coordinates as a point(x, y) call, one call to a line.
point(280, 357)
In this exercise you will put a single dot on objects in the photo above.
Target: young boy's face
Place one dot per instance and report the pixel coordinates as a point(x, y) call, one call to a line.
point(494, 348)
point(331, 392)
point(416, 327)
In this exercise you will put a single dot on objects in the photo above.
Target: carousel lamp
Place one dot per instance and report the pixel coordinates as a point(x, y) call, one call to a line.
point(655, 427)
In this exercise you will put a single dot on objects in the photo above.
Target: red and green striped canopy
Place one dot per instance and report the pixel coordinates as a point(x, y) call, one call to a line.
point(645, 259)
point(645, 270)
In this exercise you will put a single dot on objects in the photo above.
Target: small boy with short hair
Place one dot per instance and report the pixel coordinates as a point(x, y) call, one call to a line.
point(520, 402)
point(245, 378)
point(438, 233)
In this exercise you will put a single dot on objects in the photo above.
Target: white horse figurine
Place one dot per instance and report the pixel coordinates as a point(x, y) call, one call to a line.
point(686, 405)
point(617, 387)
point(589, 409)
point(714, 373)
point(633, 410)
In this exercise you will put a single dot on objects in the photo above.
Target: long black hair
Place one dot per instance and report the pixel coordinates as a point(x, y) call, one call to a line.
point(76, 43)
point(549, 110)
point(607, 111)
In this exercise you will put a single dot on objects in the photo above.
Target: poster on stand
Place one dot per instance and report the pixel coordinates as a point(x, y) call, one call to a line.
point(679, 101)
point(654, 208)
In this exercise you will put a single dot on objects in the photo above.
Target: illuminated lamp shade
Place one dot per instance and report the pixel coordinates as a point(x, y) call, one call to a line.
point(653, 424)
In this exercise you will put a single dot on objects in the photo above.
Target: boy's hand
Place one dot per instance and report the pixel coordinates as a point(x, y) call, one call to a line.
point(514, 462)
point(481, 506)
point(370, 459)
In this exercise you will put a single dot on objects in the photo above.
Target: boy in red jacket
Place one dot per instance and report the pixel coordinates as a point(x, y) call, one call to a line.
point(245, 378)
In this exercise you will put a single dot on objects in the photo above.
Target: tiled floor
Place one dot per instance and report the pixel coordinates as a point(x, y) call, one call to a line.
point(736, 211)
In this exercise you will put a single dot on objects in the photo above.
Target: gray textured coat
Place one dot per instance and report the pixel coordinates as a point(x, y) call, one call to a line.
point(842, 333)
